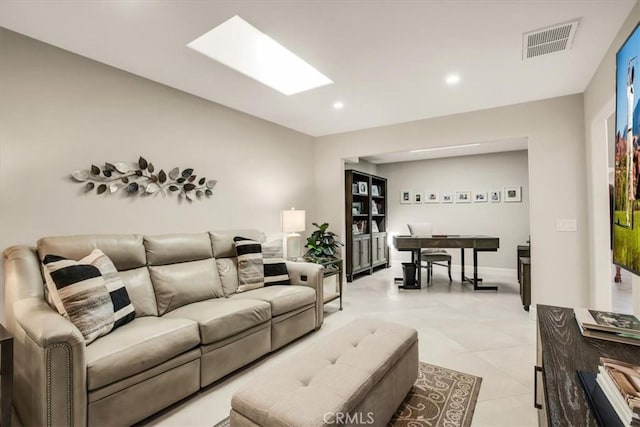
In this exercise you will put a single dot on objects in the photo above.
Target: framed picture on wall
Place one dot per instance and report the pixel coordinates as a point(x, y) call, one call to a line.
point(512, 194)
point(447, 198)
point(494, 197)
point(463, 197)
point(405, 196)
point(431, 197)
point(417, 198)
point(480, 197)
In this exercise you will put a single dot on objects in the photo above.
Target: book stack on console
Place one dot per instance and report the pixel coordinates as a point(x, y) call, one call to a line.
point(620, 383)
point(624, 328)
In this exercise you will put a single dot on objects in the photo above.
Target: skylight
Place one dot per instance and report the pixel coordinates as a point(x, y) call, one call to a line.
point(241, 46)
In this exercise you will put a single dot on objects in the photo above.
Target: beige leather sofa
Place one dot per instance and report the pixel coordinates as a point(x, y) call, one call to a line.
point(190, 330)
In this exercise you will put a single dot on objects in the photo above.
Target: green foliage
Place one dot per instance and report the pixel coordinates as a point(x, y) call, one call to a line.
point(322, 245)
point(626, 241)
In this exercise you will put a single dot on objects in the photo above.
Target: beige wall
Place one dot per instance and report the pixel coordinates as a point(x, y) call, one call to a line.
point(599, 104)
point(485, 172)
point(60, 112)
point(362, 166)
point(557, 190)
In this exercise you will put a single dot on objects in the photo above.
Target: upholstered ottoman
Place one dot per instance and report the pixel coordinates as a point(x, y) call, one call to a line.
point(358, 375)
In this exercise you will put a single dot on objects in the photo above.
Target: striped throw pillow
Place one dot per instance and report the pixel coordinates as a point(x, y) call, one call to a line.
point(121, 308)
point(123, 311)
point(250, 264)
point(273, 249)
point(275, 272)
point(80, 290)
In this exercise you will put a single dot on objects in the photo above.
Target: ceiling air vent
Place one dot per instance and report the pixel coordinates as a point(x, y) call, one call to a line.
point(548, 40)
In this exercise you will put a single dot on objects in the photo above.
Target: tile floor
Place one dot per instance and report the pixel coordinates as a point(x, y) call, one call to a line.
point(621, 293)
point(482, 333)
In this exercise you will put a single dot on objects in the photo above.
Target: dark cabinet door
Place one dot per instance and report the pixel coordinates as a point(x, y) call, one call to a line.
point(365, 254)
point(357, 254)
point(375, 250)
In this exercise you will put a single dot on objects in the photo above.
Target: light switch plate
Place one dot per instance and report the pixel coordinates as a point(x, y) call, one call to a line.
point(566, 225)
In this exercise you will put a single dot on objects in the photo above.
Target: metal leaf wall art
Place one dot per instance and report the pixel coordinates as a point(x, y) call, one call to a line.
point(143, 180)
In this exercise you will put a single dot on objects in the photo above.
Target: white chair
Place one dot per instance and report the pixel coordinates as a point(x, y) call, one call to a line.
point(430, 256)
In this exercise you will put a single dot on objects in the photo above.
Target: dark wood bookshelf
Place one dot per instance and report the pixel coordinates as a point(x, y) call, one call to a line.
point(366, 250)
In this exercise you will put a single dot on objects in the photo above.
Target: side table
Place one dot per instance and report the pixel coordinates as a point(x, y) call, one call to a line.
point(333, 268)
point(330, 268)
point(6, 376)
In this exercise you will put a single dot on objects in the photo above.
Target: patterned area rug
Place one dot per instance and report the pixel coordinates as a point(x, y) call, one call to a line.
point(440, 397)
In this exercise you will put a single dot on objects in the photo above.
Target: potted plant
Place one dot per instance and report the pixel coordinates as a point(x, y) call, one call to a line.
point(322, 245)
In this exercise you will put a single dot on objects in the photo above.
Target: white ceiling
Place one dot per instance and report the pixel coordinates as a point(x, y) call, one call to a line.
point(470, 149)
point(388, 59)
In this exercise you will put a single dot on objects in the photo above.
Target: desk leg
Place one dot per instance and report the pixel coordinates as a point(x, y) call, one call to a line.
point(6, 373)
point(476, 280)
point(340, 285)
point(462, 265)
point(419, 267)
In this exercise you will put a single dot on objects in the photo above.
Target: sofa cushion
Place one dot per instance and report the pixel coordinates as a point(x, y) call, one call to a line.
point(176, 285)
point(126, 251)
point(222, 318)
point(140, 290)
point(222, 241)
point(228, 270)
point(250, 264)
point(283, 298)
point(174, 248)
point(137, 346)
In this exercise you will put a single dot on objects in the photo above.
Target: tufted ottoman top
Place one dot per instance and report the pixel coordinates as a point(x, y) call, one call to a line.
point(332, 375)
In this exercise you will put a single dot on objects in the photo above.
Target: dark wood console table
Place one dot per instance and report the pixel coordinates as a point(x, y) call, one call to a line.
point(525, 281)
point(523, 251)
point(561, 352)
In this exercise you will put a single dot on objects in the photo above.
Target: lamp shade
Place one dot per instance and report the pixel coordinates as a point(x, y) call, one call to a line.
point(293, 220)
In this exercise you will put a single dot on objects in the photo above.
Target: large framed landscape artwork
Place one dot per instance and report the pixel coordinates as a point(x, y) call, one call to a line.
point(626, 228)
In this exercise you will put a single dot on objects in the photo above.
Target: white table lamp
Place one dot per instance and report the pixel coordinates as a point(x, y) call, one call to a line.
point(292, 222)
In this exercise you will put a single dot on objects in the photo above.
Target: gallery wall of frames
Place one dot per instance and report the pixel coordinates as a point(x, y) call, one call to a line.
point(508, 195)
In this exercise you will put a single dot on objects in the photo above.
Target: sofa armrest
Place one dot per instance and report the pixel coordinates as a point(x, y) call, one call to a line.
point(311, 275)
point(50, 369)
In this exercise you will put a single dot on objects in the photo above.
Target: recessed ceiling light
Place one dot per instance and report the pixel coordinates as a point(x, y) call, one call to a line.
point(422, 150)
point(241, 46)
point(338, 105)
point(452, 79)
